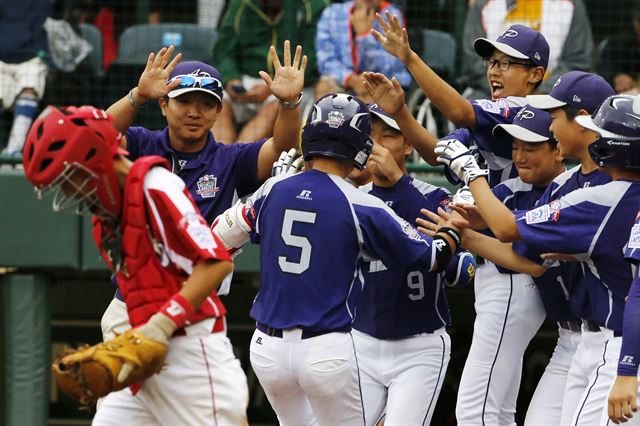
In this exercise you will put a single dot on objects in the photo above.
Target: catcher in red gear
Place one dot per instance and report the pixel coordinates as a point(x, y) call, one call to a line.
point(169, 266)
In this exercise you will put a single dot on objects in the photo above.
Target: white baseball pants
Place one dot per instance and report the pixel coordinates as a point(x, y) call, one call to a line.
point(309, 381)
point(509, 312)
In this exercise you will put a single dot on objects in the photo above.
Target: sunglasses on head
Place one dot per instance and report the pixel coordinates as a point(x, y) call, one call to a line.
point(208, 83)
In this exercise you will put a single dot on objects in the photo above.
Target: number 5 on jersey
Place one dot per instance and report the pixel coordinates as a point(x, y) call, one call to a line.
point(290, 217)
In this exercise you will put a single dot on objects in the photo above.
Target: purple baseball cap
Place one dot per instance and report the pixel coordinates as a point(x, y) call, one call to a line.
point(578, 89)
point(529, 125)
point(517, 41)
point(384, 116)
point(196, 76)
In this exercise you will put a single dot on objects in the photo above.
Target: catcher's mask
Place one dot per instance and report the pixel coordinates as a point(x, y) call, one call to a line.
point(69, 151)
point(338, 126)
point(617, 122)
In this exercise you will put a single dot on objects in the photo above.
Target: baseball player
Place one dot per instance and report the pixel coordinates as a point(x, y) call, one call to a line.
point(515, 63)
point(399, 331)
point(303, 350)
point(585, 223)
point(623, 396)
point(169, 266)
point(509, 306)
point(216, 175)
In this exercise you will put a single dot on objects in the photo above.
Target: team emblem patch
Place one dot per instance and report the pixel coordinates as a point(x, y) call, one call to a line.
point(335, 119)
point(488, 106)
point(539, 215)
point(634, 238)
point(207, 186)
point(410, 231)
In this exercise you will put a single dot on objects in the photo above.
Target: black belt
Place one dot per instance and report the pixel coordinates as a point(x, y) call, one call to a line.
point(572, 325)
point(306, 334)
point(593, 326)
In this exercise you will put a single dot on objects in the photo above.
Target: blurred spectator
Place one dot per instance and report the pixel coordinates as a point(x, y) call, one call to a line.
point(23, 47)
point(247, 30)
point(345, 48)
point(619, 61)
point(564, 23)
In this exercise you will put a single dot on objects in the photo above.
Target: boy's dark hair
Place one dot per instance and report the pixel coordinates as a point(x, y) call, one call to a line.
point(570, 111)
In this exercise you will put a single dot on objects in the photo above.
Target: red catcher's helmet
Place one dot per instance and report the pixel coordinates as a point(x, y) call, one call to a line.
point(71, 150)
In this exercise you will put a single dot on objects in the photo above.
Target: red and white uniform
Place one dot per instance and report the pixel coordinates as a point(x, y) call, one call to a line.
point(163, 238)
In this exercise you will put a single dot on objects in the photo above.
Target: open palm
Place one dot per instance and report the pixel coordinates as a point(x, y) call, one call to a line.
point(153, 80)
point(395, 39)
point(288, 79)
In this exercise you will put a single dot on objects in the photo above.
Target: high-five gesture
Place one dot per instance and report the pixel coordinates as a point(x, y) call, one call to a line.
point(153, 80)
point(395, 39)
point(388, 94)
point(288, 80)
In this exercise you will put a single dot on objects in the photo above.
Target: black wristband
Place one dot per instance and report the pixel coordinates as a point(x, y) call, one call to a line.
point(443, 252)
point(452, 233)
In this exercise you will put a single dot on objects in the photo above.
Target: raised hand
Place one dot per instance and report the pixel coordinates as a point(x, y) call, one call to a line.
point(288, 164)
point(388, 94)
point(288, 79)
point(153, 80)
point(395, 39)
point(455, 155)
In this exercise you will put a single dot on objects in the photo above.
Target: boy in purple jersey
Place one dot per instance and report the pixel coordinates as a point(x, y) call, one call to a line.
point(402, 346)
point(623, 397)
point(515, 63)
point(587, 224)
point(317, 231)
point(509, 306)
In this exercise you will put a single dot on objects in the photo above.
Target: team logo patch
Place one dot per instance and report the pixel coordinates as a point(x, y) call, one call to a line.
point(634, 238)
point(410, 231)
point(207, 186)
point(539, 215)
point(335, 119)
point(488, 106)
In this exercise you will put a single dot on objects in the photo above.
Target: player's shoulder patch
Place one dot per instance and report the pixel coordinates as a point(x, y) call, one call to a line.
point(410, 231)
point(544, 213)
point(538, 215)
point(488, 106)
point(634, 238)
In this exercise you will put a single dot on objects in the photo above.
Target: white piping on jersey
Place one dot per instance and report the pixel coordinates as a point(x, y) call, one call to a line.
point(437, 297)
point(515, 185)
point(160, 179)
point(563, 177)
point(262, 192)
point(610, 294)
point(213, 305)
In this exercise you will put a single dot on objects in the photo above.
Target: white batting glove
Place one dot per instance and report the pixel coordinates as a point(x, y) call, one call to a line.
point(287, 164)
point(233, 226)
point(453, 154)
point(463, 196)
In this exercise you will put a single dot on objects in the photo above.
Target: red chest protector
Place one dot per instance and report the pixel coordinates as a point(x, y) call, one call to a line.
point(145, 284)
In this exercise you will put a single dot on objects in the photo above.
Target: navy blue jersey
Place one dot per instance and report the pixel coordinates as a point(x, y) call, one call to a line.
point(316, 232)
point(555, 285)
point(573, 276)
point(592, 224)
point(217, 176)
point(516, 195)
point(630, 350)
point(397, 303)
point(495, 150)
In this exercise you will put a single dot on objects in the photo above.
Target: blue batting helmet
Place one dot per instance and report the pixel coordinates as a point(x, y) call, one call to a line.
point(617, 121)
point(338, 126)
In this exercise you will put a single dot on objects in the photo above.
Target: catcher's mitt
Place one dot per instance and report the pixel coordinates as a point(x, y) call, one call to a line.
point(88, 373)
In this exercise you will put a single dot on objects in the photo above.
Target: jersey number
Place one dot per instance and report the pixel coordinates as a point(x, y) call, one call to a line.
point(415, 281)
point(291, 216)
